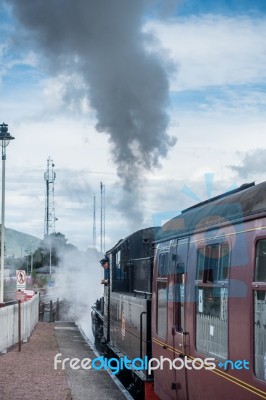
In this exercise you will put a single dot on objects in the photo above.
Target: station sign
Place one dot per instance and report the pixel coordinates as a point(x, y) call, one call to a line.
point(21, 279)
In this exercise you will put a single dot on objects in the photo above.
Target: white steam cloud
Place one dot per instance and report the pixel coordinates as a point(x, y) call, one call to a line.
point(78, 283)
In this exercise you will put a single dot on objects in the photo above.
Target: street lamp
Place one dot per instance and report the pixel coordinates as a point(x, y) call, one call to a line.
point(27, 261)
point(5, 138)
point(31, 263)
point(31, 259)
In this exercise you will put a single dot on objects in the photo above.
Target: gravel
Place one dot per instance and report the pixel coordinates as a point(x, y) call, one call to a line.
point(30, 374)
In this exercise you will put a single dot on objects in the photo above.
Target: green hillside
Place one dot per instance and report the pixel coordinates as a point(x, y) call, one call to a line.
point(16, 243)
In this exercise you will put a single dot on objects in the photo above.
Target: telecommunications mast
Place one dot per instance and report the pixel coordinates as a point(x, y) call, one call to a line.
point(94, 222)
point(49, 217)
point(102, 226)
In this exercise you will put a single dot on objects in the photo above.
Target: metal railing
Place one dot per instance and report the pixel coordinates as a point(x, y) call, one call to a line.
point(211, 336)
point(49, 312)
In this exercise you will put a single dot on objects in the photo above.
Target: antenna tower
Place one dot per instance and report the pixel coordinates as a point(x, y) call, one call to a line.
point(94, 222)
point(49, 217)
point(102, 228)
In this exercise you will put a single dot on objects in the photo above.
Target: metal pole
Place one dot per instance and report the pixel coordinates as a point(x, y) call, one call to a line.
point(47, 208)
point(50, 258)
point(101, 227)
point(94, 222)
point(3, 225)
point(57, 309)
point(31, 263)
point(51, 311)
point(104, 218)
point(19, 325)
point(5, 138)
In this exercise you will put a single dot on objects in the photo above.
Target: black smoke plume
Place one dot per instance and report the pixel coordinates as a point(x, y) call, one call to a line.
point(127, 85)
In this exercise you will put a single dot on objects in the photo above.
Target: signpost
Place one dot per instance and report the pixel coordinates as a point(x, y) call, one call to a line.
point(21, 285)
point(20, 295)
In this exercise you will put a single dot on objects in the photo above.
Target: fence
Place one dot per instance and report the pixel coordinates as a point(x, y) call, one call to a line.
point(260, 351)
point(49, 312)
point(212, 336)
point(9, 322)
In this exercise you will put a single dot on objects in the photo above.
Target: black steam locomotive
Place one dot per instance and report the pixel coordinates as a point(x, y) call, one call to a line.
point(121, 320)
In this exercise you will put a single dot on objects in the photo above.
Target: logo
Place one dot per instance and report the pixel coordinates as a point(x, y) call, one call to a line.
point(162, 217)
point(211, 227)
point(138, 364)
point(238, 364)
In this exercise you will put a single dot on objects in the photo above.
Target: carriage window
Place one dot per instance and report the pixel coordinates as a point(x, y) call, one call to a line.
point(212, 300)
point(162, 308)
point(260, 272)
point(260, 333)
point(180, 303)
point(260, 312)
point(163, 264)
point(213, 263)
point(224, 262)
point(200, 264)
point(162, 294)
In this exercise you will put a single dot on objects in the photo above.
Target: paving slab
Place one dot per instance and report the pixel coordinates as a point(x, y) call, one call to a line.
point(84, 384)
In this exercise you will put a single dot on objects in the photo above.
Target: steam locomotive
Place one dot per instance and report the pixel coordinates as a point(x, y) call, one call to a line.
point(190, 298)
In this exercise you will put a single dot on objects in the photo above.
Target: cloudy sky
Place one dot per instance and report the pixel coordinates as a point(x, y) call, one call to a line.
point(162, 102)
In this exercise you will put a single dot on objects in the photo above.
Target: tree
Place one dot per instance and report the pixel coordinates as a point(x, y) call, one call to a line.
point(57, 242)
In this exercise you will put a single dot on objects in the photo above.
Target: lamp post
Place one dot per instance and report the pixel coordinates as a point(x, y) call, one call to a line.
point(27, 259)
point(31, 263)
point(5, 138)
point(31, 259)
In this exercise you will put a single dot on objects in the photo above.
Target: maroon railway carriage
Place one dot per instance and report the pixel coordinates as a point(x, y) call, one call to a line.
point(209, 298)
point(203, 297)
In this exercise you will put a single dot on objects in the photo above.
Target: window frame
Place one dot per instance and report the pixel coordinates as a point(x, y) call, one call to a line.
point(254, 281)
point(179, 313)
point(203, 280)
point(163, 278)
point(220, 283)
point(255, 287)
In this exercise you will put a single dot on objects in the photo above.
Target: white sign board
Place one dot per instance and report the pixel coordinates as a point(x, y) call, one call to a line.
point(21, 279)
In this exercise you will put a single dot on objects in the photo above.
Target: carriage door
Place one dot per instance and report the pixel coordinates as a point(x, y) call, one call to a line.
point(180, 336)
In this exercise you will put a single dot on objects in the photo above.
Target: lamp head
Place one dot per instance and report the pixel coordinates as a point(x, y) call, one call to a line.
point(5, 136)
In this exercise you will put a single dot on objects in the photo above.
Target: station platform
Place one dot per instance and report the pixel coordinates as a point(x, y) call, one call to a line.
point(30, 374)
